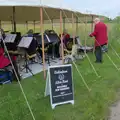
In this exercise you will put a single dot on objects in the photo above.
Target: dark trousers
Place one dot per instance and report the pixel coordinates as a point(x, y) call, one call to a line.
point(98, 53)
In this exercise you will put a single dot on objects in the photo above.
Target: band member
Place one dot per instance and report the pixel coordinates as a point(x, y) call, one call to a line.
point(5, 61)
point(101, 38)
point(65, 38)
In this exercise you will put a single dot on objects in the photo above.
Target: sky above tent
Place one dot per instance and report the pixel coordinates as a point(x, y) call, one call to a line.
point(109, 8)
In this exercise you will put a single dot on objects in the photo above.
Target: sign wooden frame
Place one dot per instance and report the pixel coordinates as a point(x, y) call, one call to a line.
point(48, 89)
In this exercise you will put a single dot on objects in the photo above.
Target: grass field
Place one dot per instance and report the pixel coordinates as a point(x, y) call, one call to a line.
point(92, 105)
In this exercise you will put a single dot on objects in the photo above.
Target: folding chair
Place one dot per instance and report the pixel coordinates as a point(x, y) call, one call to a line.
point(83, 48)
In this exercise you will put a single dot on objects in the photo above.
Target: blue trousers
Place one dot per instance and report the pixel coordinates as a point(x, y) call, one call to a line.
point(98, 53)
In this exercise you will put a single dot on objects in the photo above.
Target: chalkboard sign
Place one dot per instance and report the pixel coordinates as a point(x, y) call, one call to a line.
point(59, 85)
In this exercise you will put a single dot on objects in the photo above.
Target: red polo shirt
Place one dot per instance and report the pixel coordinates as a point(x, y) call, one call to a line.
point(100, 34)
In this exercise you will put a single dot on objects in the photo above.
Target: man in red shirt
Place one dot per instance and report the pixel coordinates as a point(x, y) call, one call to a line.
point(101, 38)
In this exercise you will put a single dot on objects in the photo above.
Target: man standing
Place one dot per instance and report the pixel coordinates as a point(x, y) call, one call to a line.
point(101, 38)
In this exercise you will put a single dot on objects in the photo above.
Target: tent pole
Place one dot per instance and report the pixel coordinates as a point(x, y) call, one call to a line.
point(12, 26)
point(62, 50)
point(92, 24)
point(73, 29)
point(34, 25)
point(0, 24)
point(14, 20)
point(63, 23)
point(76, 25)
point(85, 31)
point(42, 30)
point(52, 25)
point(27, 25)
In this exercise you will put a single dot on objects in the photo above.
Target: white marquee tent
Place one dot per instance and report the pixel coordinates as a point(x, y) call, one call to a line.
point(30, 10)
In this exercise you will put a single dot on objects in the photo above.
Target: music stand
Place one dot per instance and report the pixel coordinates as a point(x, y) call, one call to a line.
point(11, 41)
point(46, 43)
point(10, 38)
point(25, 43)
point(54, 39)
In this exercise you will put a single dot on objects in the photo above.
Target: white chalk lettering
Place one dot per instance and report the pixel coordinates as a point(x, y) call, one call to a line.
point(61, 89)
point(58, 82)
point(61, 82)
point(65, 81)
point(56, 90)
point(62, 86)
point(60, 71)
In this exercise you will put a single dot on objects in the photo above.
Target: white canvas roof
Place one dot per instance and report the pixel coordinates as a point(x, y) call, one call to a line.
point(30, 13)
point(29, 10)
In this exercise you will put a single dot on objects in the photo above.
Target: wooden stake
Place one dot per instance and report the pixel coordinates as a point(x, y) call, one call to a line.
point(42, 30)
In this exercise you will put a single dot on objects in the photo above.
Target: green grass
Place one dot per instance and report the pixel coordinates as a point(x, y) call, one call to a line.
point(92, 105)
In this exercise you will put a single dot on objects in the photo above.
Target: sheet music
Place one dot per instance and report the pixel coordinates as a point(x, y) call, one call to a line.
point(25, 42)
point(10, 38)
point(47, 38)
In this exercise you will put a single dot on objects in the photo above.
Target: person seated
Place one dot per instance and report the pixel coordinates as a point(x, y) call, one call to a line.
point(5, 61)
point(65, 38)
point(30, 33)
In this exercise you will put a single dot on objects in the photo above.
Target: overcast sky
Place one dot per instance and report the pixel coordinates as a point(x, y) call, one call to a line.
point(110, 8)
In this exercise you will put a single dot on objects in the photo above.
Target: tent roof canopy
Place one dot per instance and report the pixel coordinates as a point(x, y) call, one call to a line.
point(32, 13)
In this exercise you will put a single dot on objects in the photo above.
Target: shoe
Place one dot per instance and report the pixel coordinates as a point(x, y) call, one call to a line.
point(98, 61)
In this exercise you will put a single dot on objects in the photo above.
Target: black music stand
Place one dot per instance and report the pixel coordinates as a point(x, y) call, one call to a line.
point(46, 43)
point(54, 39)
point(25, 43)
point(10, 42)
point(10, 38)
